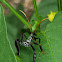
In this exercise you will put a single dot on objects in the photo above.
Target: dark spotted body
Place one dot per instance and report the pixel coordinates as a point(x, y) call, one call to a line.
point(27, 43)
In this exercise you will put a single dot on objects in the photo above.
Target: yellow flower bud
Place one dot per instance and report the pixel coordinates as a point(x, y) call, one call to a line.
point(51, 16)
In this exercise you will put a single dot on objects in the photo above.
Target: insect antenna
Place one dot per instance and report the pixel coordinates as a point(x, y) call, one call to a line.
point(27, 19)
point(39, 24)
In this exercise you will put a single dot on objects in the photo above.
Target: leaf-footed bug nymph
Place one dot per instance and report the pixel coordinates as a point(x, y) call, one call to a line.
point(28, 42)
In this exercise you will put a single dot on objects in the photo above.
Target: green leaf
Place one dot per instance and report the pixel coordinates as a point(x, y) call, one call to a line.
point(51, 40)
point(16, 13)
point(6, 52)
point(14, 29)
point(44, 9)
point(26, 53)
point(18, 58)
point(53, 34)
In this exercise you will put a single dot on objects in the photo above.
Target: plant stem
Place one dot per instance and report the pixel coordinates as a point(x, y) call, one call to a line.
point(14, 11)
point(59, 5)
point(34, 27)
point(35, 8)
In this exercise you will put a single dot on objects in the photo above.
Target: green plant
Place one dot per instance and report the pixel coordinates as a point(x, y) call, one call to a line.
point(50, 34)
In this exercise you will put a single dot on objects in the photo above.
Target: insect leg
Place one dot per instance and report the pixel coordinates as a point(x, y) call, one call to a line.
point(25, 36)
point(34, 57)
point(17, 47)
point(39, 44)
point(36, 43)
point(37, 38)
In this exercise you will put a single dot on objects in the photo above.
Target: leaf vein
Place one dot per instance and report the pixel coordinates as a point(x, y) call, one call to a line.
point(49, 45)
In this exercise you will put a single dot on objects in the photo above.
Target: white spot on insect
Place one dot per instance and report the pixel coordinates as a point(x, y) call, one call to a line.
point(34, 55)
point(30, 38)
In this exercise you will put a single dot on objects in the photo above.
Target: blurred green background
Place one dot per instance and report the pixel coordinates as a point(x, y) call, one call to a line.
point(15, 26)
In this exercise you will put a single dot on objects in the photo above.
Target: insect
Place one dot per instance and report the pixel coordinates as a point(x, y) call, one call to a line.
point(28, 42)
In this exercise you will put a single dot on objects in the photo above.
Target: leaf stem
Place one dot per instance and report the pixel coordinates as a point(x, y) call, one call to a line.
point(14, 11)
point(59, 5)
point(35, 8)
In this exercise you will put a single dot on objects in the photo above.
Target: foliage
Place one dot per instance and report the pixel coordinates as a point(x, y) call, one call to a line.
point(50, 34)
point(6, 52)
